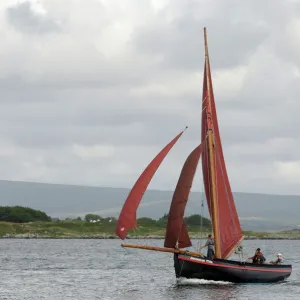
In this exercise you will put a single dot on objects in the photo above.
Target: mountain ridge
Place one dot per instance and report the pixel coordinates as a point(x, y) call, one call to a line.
point(127, 188)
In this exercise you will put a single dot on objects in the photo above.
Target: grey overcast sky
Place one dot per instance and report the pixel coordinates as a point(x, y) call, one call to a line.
point(91, 90)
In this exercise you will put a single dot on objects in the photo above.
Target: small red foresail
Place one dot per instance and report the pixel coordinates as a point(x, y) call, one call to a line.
point(176, 229)
point(127, 219)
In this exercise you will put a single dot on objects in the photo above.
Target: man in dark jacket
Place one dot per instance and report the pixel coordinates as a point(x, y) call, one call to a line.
point(258, 257)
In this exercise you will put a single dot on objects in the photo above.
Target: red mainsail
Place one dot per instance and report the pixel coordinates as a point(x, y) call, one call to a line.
point(127, 219)
point(229, 229)
point(176, 233)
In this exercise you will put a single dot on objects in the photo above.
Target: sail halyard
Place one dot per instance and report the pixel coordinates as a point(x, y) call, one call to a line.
point(127, 218)
point(226, 226)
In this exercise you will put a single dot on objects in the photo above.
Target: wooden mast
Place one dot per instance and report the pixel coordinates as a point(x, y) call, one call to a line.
point(211, 157)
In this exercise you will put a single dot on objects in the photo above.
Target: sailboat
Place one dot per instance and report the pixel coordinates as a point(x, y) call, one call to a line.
point(227, 231)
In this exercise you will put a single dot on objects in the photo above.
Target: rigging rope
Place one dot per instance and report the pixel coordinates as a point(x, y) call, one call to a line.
point(199, 245)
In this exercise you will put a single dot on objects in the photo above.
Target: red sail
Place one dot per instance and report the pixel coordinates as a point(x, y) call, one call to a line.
point(230, 232)
point(127, 219)
point(176, 229)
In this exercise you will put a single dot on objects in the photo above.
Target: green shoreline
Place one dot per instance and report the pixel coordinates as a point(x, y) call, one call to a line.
point(105, 230)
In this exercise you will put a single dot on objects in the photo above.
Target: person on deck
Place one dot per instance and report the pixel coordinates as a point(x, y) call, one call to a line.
point(258, 257)
point(278, 261)
point(210, 247)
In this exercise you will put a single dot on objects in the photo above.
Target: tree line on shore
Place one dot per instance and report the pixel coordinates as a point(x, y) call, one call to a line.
point(20, 214)
point(193, 220)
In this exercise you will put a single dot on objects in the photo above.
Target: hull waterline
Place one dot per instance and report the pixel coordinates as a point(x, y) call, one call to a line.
point(228, 270)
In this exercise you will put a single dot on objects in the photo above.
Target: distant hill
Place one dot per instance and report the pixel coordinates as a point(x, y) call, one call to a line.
point(259, 212)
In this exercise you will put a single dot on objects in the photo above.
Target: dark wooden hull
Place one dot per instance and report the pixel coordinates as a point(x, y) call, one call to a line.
point(229, 270)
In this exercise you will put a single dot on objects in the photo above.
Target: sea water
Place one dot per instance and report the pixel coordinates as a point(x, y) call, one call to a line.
point(101, 269)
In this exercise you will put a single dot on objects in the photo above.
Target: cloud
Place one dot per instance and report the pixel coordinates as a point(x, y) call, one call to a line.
point(178, 41)
point(91, 92)
point(30, 17)
point(95, 151)
point(288, 171)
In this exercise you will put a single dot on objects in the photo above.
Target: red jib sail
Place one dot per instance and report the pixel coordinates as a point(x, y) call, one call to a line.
point(127, 219)
point(230, 232)
point(176, 233)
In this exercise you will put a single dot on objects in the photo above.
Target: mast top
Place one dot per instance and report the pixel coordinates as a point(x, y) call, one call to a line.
point(205, 42)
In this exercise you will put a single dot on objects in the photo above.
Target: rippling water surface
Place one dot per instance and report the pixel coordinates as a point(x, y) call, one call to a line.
point(101, 269)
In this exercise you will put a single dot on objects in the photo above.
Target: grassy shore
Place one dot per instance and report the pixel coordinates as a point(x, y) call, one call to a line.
point(81, 229)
